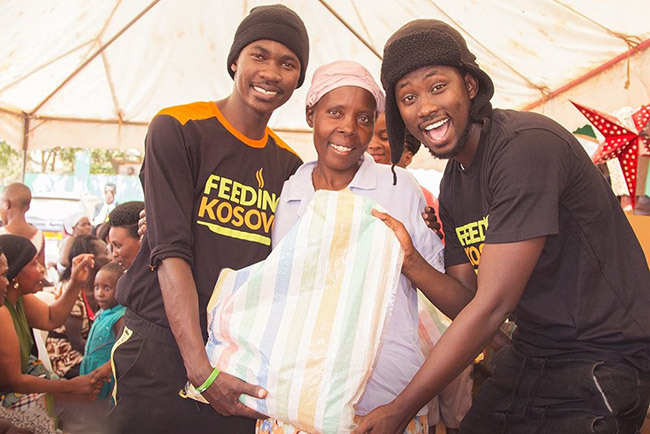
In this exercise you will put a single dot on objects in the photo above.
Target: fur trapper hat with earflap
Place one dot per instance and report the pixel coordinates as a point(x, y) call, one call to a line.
point(423, 43)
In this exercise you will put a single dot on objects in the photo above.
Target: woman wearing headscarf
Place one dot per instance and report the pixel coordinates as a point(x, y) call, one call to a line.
point(341, 107)
point(74, 225)
point(23, 379)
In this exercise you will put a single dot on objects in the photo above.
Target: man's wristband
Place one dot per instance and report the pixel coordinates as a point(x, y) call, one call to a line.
point(208, 381)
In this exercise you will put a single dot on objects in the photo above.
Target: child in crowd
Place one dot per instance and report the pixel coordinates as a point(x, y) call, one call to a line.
point(14, 203)
point(342, 105)
point(108, 325)
point(65, 345)
point(123, 233)
point(379, 148)
point(85, 417)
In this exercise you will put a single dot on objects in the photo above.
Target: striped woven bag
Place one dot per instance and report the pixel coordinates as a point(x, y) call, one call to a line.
point(306, 323)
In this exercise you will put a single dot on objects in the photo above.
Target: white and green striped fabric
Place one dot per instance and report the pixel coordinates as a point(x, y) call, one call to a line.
point(307, 322)
point(431, 324)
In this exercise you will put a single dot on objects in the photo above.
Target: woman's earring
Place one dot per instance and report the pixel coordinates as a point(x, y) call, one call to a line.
point(15, 285)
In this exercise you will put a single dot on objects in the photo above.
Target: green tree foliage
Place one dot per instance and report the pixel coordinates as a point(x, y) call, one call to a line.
point(60, 160)
point(55, 160)
point(10, 164)
point(105, 161)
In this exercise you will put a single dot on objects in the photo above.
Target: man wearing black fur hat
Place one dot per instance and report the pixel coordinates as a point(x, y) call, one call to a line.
point(211, 176)
point(532, 230)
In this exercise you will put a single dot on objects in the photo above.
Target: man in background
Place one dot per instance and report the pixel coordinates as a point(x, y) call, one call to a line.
point(103, 209)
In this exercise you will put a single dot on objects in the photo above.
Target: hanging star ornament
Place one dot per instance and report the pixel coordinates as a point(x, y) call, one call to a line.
point(620, 142)
point(642, 122)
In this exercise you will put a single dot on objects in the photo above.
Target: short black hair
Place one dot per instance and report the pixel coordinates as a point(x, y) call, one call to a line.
point(126, 215)
point(411, 143)
point(114, 268)
point(110, 184)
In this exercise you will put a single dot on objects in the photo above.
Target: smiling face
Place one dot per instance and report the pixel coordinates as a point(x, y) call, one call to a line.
point(379, 147)
point(104, 289)
point(266, 74)
point(30, 278)
point(4, 283)
point(125, 247)
point(343, 122)
point(434, 102)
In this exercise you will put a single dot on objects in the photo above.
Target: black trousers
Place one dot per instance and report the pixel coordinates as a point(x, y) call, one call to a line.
point(149, 374)
point(530, 395)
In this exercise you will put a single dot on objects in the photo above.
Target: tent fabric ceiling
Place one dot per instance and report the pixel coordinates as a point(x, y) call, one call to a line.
point(93, 74)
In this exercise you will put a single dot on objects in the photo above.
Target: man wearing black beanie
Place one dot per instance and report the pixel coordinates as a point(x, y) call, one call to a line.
point(533, 231)
point(211, 176)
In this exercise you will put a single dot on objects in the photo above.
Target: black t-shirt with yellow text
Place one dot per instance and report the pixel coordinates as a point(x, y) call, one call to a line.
point(210, 197)
point(589, 294)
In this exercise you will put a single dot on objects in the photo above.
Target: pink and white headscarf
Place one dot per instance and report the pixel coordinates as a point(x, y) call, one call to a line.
point(343, 73)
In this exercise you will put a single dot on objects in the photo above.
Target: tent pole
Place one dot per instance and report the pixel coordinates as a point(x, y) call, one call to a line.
point(25, 146)
point(351, 29)
point(594, 72)
point(95, 54)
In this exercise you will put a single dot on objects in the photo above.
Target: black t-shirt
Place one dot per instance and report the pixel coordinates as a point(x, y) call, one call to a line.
point(210, 197)
point(589, 294)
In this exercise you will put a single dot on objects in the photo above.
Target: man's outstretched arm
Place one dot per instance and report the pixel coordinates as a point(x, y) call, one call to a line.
point(181, 306)
point(503, 274)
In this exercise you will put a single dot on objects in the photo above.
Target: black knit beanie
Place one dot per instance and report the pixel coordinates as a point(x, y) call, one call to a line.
point(277, 23)
point(19, 252)
point(423, 43)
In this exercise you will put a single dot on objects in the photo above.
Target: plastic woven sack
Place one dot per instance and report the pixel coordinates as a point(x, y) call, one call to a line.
point(431, 324)
point(306, 323)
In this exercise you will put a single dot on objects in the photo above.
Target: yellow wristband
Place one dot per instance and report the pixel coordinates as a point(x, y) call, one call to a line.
point(208, 381)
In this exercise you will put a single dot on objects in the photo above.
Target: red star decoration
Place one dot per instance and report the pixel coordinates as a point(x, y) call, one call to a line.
point(642, 122)
point(619, 142)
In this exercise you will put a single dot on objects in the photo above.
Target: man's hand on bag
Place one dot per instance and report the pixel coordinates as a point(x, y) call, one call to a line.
point(224, 394)
point(385, 419)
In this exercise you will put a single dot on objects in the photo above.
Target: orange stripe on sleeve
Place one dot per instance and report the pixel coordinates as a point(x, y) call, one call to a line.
point(191, 112)
point(207, 109)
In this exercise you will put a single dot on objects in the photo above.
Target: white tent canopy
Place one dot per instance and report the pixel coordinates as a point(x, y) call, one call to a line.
point(93, 73)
